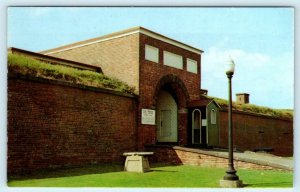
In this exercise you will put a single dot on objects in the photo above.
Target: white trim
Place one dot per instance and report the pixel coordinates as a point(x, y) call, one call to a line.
point(150, 34)
point(193, 115)
point(178, 44)
point(207, 124)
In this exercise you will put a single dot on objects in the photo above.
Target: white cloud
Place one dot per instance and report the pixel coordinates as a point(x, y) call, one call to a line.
point(268, 79)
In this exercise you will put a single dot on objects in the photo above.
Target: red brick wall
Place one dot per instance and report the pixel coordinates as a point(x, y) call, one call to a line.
point(151, 72)
point(51, 125)
point(150, 76)
point(256, 131)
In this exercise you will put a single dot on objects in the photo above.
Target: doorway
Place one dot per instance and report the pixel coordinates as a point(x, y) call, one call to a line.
point(196, 127)
point(167, 111)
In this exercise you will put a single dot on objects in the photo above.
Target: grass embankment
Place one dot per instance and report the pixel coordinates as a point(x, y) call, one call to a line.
point(19, 64)
point(277, 113)
point(160, 176)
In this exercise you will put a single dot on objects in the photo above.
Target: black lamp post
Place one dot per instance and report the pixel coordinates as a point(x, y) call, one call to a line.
point(230, 173)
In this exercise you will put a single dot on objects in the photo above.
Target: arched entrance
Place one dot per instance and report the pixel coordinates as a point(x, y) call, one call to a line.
point(167, 122)
point(171, 99)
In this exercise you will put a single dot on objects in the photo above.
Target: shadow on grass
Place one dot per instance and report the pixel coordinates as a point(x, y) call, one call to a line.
point(155, 167)
point(69, 171)
point(157, 170)
point(80, 170)
point(273, 184)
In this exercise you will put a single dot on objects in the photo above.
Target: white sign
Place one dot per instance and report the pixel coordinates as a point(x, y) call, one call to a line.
point(203, 122)
point(148, 117)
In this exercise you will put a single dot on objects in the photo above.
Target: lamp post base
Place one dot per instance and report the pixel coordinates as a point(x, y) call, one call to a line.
point(231, 174)
point(231, 183)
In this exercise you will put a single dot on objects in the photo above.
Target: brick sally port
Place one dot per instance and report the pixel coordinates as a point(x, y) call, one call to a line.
point(54, 123)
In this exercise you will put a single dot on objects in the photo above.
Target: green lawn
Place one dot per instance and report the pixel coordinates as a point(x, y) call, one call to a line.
point(160, 176)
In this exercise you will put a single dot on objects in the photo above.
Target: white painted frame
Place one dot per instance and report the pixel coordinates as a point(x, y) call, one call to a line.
point(193, 122)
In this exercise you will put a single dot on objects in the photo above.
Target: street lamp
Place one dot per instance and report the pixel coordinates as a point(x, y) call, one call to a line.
point(230, 179)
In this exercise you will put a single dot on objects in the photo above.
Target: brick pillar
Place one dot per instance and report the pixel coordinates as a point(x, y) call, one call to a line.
point(146, 133)
point(182, 126)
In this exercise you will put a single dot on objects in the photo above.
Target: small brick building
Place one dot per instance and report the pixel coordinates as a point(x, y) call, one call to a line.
point(164, 72)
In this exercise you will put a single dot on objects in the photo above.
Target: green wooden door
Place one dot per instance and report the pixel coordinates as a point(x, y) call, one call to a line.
point(212, 125)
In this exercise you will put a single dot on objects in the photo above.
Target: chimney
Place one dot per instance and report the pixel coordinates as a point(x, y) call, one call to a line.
point(242, 98)
point(203, 91)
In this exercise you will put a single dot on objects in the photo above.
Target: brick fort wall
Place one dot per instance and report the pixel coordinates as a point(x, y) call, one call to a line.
point(252, 132)
point(52, 125)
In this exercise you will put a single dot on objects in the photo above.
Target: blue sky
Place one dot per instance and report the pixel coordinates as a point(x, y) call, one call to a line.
point(260, 40)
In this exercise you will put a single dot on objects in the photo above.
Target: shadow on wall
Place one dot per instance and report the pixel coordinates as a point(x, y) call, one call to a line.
point(164, 154)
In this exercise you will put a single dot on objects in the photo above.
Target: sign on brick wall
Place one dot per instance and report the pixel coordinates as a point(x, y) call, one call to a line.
point(148, 117)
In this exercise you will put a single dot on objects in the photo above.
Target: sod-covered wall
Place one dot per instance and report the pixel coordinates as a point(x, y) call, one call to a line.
point(54, 124)
point(258, 132)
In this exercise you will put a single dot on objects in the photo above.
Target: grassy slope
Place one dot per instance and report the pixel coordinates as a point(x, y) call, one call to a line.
point(27, 66)
point(161, 176)
point(281, 113)
point(19, 64)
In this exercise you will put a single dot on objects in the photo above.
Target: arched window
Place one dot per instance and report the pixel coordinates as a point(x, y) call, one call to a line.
point(213, 116)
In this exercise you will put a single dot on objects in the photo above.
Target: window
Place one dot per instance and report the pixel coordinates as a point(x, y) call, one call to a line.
point(213, 117)
point(151, 53)
point(173, 60)
point(192, 66)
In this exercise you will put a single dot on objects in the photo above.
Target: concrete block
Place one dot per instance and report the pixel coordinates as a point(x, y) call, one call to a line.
point(231, 184)
point(137, 162)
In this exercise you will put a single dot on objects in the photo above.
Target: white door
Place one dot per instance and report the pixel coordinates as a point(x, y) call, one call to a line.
point(165, 125)
point(166, 118)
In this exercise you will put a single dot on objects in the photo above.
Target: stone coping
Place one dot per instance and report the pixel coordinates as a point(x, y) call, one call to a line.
point(137, 153)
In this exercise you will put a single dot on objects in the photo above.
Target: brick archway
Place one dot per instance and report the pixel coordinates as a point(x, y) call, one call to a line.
point(175, 86)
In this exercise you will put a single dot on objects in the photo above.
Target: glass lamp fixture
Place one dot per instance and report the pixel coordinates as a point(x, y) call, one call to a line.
point(230, 67)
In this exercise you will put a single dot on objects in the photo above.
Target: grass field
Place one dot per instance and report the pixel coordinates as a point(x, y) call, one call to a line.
point(161, 176)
